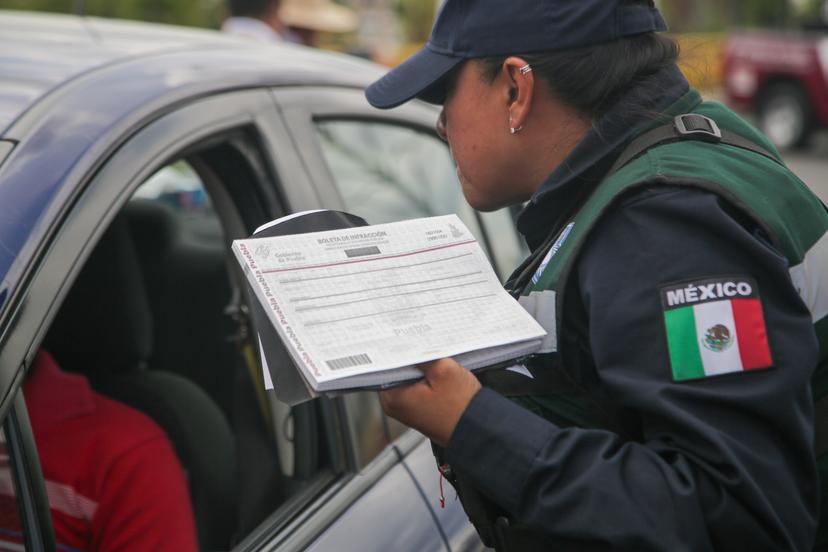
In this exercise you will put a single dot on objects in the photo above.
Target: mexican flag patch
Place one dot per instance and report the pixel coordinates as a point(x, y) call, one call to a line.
point(715, 327)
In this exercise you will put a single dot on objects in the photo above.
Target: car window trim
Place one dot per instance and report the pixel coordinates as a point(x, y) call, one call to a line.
point(30, 488)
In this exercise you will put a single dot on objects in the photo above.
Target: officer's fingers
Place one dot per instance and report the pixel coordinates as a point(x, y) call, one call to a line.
point(398, 401)
point(447, 376)
point(434, 405)
point(441, 371)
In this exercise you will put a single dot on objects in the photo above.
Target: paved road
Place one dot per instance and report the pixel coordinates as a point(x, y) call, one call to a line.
point(812, 166)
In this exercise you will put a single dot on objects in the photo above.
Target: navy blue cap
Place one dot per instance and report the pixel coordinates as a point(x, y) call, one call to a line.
point(467, 29)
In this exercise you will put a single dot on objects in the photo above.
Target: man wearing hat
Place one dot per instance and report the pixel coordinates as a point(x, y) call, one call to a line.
point(307, 18)
point(677, 265)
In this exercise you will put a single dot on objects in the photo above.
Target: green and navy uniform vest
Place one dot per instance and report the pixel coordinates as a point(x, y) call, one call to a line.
point(759, 186)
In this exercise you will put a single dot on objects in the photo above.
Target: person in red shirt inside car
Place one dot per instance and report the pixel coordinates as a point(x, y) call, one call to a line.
point(112, 477)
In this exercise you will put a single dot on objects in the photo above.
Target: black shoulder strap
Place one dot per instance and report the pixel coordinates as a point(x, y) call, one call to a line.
point(684, 127)
point(687, 127)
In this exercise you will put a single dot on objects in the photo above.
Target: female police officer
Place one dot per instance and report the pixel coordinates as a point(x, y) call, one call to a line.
point(675, 267)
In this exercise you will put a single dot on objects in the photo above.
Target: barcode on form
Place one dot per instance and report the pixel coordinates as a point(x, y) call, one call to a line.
point(348, 362)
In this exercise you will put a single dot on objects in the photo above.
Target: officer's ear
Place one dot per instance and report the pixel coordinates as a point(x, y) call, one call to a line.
point(520, 93)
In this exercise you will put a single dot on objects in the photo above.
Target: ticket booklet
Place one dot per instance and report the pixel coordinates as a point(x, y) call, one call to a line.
point(359, 307)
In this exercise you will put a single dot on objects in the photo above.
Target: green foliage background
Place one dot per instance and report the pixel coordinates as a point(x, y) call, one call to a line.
point(417, 17)
point(717, 15)
point(200, 13)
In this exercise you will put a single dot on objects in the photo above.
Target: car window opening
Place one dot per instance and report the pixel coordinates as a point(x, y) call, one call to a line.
point(145, 325)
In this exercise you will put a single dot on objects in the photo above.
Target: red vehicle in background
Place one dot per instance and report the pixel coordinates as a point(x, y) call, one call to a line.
point(783, 78)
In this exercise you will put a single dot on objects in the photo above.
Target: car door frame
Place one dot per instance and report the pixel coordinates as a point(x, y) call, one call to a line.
point(28, 484)
point(101, 195)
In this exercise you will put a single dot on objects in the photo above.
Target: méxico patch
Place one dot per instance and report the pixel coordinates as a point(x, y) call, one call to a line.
point(715, 327)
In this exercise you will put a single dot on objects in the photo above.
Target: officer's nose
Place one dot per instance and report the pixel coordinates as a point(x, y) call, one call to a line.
point(441, 126)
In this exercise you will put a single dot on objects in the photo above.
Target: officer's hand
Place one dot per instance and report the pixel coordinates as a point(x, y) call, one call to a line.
point(434, 405)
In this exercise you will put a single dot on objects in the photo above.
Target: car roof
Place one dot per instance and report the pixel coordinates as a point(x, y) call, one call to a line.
point(50, 50)
point(70, 87)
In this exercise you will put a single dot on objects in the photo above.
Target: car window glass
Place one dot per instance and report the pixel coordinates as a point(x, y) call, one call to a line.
point(11, 526)
point(387, 172)
point(179, 187)
point(395, 428)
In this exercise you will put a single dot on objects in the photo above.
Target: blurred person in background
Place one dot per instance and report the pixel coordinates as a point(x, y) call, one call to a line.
point(257, 20)
point(306, 19)
point(298, 21)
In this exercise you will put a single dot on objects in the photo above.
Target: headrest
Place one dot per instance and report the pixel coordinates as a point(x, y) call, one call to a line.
point(152, 224)
point(105, 323)
point(153, 228)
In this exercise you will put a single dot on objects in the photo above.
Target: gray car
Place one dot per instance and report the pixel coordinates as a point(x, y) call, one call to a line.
point(163, 144)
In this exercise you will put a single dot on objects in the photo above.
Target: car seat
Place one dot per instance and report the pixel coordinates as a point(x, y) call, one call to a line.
point(184, 257)
point(104, 330)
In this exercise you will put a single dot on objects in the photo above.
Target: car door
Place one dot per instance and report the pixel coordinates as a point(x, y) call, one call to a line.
point(388, 166)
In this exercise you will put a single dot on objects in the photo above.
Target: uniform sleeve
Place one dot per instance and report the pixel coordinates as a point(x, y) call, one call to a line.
point(724, 463)
point(145, 503)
